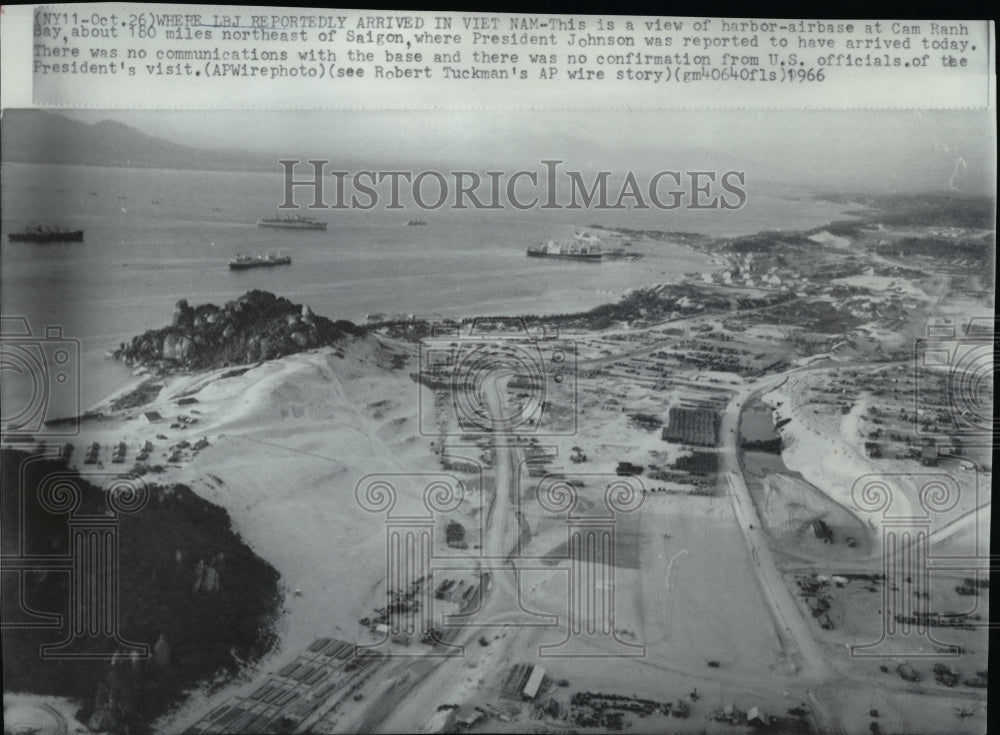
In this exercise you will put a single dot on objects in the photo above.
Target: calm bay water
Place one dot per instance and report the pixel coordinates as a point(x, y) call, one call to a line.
point(155, 236)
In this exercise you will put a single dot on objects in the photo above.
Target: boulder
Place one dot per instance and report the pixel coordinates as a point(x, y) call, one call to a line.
point(210, 581)
point(161, 652)
point(103, 719)
point(199, 574)
point(177, 347)
point(183, 314)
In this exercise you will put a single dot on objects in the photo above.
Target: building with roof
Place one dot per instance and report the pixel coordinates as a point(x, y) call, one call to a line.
point(531, 687)
point(929, 454)
point(467, 716)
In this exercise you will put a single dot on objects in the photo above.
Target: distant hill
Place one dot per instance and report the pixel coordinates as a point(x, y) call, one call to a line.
point(35, 136)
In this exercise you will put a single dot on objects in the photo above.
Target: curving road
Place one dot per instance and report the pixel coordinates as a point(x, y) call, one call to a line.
point(419, 684)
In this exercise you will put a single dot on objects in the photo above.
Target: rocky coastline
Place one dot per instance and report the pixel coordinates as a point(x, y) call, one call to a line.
point(257, 326)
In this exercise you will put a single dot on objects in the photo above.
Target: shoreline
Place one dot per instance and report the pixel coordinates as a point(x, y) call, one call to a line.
point(287, 438)
point(719, 263)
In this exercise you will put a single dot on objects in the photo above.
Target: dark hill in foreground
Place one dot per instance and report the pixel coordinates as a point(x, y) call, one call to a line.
point(189, 588)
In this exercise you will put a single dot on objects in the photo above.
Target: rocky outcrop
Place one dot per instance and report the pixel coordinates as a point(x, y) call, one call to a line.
point(162, 652)
point(177, 347)
point(183, 315)
point(257, 326)
point(206, 578)
point(106, 716)
point(210, 582)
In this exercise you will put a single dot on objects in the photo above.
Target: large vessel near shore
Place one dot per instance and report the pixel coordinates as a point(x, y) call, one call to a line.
point(46, 234)
point(243, 262)
point(293, 222)
point(567, 251)
point(584, 247)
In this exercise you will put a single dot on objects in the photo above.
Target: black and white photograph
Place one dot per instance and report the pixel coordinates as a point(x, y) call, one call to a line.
point(497, 419)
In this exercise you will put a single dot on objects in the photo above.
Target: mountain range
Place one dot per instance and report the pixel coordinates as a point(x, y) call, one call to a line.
point(36, 136)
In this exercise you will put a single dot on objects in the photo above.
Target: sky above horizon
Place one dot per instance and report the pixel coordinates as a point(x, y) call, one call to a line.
point(858, 150)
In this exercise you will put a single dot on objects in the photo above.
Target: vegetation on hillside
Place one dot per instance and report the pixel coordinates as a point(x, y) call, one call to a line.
point(189, 588)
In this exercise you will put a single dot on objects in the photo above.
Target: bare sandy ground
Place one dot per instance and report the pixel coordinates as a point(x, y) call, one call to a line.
point(290, 439)
point(288, 442)
point(813, 433)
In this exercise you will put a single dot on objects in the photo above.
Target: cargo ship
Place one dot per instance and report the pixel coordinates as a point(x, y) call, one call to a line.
point(243, 262)
point(566, 251)
point(584, 247)
point(293, 222)
point(46, 234)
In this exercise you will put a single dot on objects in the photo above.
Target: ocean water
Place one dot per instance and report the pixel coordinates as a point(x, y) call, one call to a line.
point(156, 236)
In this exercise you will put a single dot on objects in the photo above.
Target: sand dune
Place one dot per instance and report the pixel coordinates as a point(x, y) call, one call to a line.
point(288, 442)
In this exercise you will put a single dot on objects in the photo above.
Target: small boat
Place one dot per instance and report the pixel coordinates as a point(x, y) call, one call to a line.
point(293, 222)
point(243, 262)
point(415, 223)
point(46, 234)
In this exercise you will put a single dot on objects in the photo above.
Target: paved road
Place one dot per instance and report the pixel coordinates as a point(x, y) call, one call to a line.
point(420, 684)
point(423, 684)
point(792, 628)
